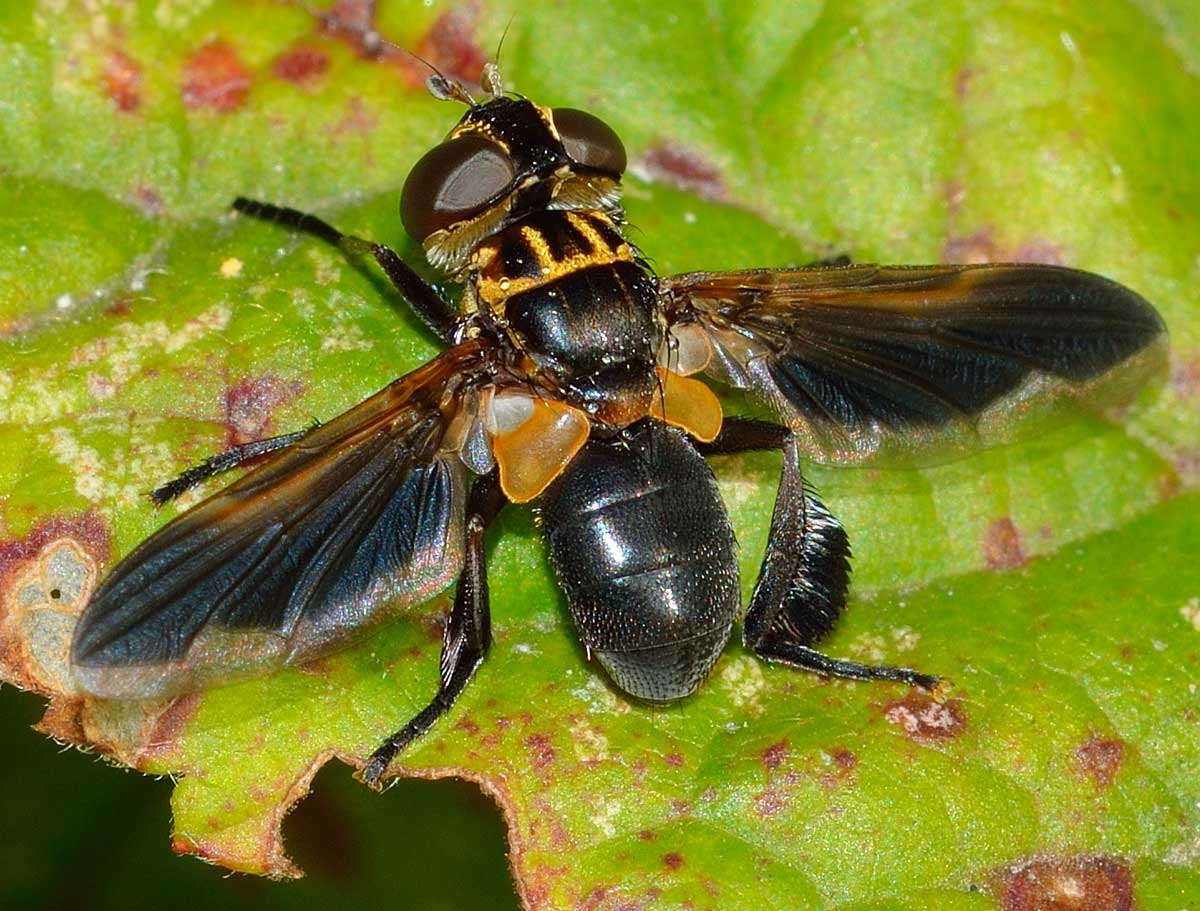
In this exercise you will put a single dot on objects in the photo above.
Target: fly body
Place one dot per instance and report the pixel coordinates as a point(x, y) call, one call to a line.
point(576, 377)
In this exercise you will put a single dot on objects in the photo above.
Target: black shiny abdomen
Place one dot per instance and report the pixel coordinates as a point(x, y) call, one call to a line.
point(644, 551)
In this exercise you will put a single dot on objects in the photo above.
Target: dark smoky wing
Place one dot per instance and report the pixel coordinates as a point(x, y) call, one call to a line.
point(915, 363)
point(327, 539)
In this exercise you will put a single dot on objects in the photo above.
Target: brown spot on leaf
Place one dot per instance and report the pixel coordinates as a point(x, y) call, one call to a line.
point(1002, 545)
point(962, 82)
point(215, 77)
point(955, 194)
point(1083, 882)
point(674, 760)
point(672, 861)
point(773, 756)
point(1100, 758)
point(925, 719)
point(119, 307)
point(301, 65)
point(844, 758)
point(678, 166)
point(250, 404)
point(541, 750)
point(164, 735)
point(123, 81)
point(647, 835)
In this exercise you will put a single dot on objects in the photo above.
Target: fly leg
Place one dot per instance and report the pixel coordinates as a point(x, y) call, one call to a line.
point(468, 631)
point(220, 462)
point(425, 302)
point(801, 588)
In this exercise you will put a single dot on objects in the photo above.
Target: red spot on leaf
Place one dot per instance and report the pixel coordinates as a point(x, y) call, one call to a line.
point(450, 45)
point(768, 802)
point(123, 81)
point(1070, 883)
point(1036, 250)
point(541, 750)
point(214, 77)
point(592, 900)
point(679, 166)
point(149, 200)
point(1185, 379)
point(250, 403)
point(982, 246)
point(357, 119)
point(469, 726)
point(1002, 545)
point(301, 65)
point(87, 528)
point(672, 861)
point(1100, 758)
point(979, 247)
point(674, 760)
point(926, 719)
point(353, 21)
point(773, 756)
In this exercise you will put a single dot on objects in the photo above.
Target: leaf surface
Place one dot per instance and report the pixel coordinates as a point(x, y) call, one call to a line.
point(144, 328)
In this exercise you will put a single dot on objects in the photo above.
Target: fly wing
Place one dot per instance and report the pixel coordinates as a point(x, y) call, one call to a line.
point(913, 364)
point(330, 537)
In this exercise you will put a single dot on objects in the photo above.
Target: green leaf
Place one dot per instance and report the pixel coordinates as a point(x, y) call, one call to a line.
point(143, 328)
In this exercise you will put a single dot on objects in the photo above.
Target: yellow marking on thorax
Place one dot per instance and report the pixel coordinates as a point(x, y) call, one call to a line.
point(493, 288)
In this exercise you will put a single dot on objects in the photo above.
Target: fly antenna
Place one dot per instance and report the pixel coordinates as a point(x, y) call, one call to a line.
point(441, 86)
point(491, 81)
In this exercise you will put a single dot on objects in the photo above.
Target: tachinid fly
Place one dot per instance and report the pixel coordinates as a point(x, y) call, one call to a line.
point(572, 379)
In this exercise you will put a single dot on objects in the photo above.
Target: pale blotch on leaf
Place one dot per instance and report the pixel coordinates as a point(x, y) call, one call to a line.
point(742, 678)
point(82, 461)
point(905, 638)
point(47, 596)
point(599, 696)
point(604, 814)
point(738, 485)
point(869, 647)
point(1191, 613)
point(231, 268)
point(591, 746)
point(327, 268)
point(121, 483)
point(344, 334)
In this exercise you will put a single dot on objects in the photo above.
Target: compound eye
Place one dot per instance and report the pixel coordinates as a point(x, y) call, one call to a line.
point(590, 141)
point(451, 182)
